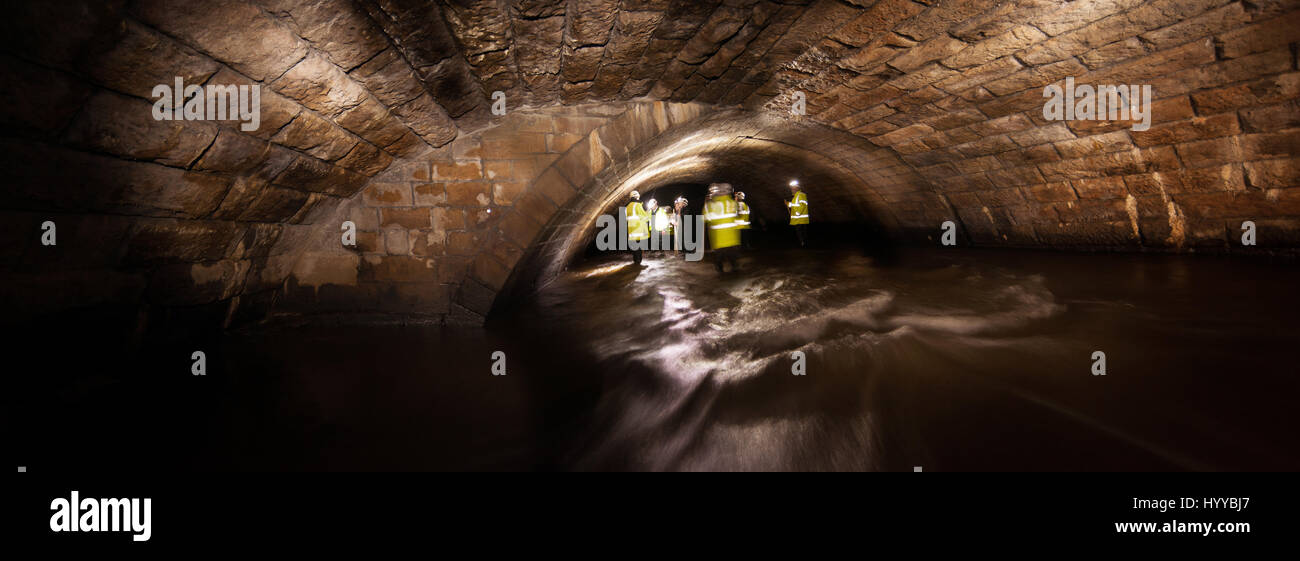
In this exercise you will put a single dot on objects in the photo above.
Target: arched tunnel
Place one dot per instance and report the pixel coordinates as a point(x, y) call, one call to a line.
point(1054, 235)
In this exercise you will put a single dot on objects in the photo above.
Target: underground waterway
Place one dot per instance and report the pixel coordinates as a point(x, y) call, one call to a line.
point(946, 360)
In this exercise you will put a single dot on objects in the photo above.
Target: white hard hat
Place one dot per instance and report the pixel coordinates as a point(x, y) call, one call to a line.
point(717, 189)
point(636, 194)
point(740, 194)
point(652, 202)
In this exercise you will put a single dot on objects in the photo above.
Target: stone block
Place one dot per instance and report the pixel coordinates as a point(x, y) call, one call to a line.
point(1101, 188)
point(519, 229)
point(1213, 152)
point(125, 127)
point(1279, 173)
point(320, 85)
point(410, 218)
point(489, 272)
point(234, 152)
point(507, 145)
point(244, 37)
point(430, 194)
point(1050, 192)
point(427, 243)
point(397, 269)
point(372, 121)
point(464, 243)
point(316, 136)
point(274, 204)
point(160, 240)
point(387, 195)
point(507, 192)
point(458, 170)
point(555, 187)
point(366, 159)
point(468, 193)
point(428, 119)
point(142, 58)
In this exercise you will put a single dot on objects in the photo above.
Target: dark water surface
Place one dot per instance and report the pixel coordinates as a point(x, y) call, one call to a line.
point(949, 360)
point(956, 360)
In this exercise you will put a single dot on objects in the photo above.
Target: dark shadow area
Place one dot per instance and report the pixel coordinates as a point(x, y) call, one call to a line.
point(299, 397)
point(953, 360)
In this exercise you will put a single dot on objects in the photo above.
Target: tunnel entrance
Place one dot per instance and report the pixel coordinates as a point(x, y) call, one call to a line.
point(436, 166)
point(758, 154)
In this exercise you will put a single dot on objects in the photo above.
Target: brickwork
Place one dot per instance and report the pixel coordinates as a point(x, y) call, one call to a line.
point(378, 111)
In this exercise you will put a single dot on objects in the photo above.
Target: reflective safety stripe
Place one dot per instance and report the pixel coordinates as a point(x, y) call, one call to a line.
point(723, 226)
point(742, 222)
point(798, 216)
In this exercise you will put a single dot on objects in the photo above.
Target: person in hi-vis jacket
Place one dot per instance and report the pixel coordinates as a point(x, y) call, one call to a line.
point(658, 223)
point(720, 214)
point(742, 219)
point(798, 204)
point(638, 226)
point(676, 224)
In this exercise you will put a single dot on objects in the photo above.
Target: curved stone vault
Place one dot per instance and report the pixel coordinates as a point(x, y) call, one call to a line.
point(379, 112)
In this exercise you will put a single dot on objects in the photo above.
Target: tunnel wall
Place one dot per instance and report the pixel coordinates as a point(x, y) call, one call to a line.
point(937, 105)
point(439, 234)
point(956, 90)
point(197, 222)
point(756, 153)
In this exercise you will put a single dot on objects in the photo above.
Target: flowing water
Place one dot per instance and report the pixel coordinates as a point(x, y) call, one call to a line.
point(946, 360)
point(943, 360)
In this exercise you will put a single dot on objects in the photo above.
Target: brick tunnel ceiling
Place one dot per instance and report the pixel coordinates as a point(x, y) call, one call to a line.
point(918, 111)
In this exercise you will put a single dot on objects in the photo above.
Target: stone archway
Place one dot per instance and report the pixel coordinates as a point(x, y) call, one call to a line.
point(442, 235)
point(938, 107)
point(439, 233)
point(758, 153)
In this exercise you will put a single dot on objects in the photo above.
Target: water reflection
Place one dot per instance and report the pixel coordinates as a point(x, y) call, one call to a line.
point(959, 361)
point(950, 360)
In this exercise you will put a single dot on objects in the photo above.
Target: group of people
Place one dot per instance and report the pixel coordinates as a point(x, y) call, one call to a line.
point(727, 219)
point(652, 220)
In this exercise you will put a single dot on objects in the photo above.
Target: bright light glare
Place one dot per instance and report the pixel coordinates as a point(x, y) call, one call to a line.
point(601, 271)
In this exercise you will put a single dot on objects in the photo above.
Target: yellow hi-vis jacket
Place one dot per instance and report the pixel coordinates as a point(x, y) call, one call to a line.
point(638, 222)
point(742, 221)
point(798, 208)
point(720, 214)
point(661, 220)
